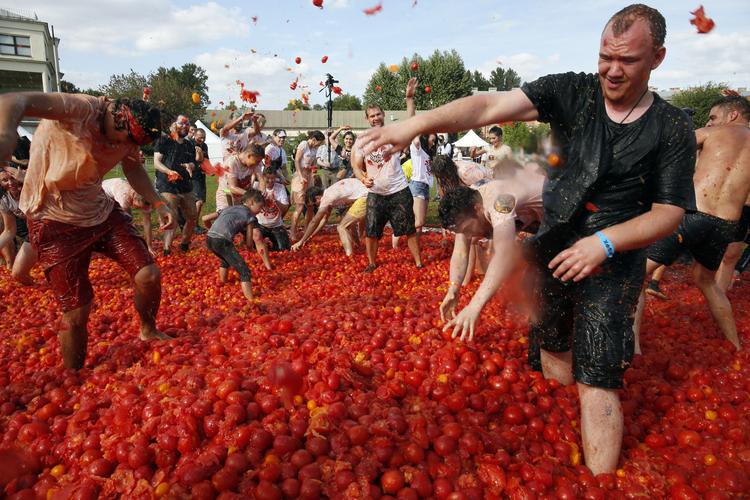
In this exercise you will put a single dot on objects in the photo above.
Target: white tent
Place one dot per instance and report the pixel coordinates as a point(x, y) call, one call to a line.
point(22, 132)
point(213, 141)
point(471, 140)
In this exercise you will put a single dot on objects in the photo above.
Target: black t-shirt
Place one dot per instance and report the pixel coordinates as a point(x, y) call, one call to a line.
point(174, 154)
point(198, 173)
point(610, 172)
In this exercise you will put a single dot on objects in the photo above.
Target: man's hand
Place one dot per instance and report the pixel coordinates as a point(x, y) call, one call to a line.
point(448, 306)
point(247, 114)
point(395, 137)
point(167, 217)
point(464, 322)
point(189, 167)
point(152, 251)
point(368, 181)
point(580, 260)
point(411, 86)
point(173, 176)
point(297, 246)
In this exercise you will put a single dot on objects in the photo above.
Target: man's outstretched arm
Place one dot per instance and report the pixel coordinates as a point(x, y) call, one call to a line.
point(462, 114)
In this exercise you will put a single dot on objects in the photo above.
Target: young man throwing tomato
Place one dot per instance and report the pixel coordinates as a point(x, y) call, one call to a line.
point(389, 198)
point(79, 139)
point(624, 182)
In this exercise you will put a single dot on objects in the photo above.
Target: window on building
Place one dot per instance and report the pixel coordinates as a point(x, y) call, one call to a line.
point(13, 45)
point(20, 81)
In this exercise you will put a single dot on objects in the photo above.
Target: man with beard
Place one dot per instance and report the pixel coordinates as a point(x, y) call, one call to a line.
point(79, 139)
point(174, 163)
point(623, 182)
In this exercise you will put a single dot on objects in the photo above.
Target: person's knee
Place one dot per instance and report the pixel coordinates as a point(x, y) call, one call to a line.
point(75, 320)
point(733, 253)
point(703, 278)
point(651, 266)
point(149, 276)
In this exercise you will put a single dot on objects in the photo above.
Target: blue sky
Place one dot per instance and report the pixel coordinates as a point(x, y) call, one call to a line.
point(533, 37)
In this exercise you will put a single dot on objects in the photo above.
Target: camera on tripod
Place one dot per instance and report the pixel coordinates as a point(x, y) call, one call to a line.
point(329, 80)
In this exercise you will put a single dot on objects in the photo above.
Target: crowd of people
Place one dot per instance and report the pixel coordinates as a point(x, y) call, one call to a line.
point(627, 197)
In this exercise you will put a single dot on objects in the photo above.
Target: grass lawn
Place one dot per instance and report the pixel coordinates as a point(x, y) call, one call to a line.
point(212, 182)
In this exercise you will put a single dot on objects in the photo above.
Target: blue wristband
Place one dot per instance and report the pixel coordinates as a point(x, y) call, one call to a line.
point(609, 248)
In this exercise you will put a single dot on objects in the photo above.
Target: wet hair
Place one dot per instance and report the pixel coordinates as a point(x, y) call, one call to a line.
point(146, 115)
point(734, 103)
point(498, 131)
point(311, 193)
point(253, 195)
point(424, 143)
point(317, 135)
point(256, 150)
point(624, 19)
point(372, 106)
point(446, 172)
point(456, 204)
point(269, 171)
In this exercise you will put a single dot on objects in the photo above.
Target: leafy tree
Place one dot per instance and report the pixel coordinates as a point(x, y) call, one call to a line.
point(172, 89)
point(297, 105)
point(479, 81)
point(521, 135)
point(68, 88)
point(345, 102)
point(124, 85)
point(504, 79)
point(383, 89)
point(318, 107)
point(699, 99)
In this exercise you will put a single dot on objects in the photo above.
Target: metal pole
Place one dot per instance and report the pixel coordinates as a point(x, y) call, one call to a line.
point(56, 61)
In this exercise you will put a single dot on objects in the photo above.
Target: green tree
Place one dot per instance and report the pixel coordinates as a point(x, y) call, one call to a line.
point(383, 89)
point(479, 81)
point(124, 85)
point(443, 73)
point(171, 88)
point(517, 135)
point(297, 105)
point(504, 79)
point(346, 102)
point(699, 99)
point(68, 88)
point(318, 107)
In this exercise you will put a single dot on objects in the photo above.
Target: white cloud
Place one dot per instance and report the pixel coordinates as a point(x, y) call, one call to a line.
point(694, 59)
point(260, 72)
point(136, 27)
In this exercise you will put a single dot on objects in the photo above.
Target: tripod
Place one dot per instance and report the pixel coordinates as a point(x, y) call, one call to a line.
point(328, 88)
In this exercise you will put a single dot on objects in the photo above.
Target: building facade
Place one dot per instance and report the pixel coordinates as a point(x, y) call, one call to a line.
point(28, 53)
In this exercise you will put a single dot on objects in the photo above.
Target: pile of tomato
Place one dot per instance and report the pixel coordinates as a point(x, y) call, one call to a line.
point(339, 384)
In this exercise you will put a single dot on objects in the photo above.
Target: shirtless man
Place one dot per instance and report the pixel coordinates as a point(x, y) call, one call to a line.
point(722, 184)
point(346, 193)
point(490, 211)
point(79, 139)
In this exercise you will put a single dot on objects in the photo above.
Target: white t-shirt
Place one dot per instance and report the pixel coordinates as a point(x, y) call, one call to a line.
point(343, 193)
point(421, 165)
point(235, 169)
point(270, 215)
point(122, 192)
point(495, 156)
point(388, 175)
point(309, 155)
point(272, 154)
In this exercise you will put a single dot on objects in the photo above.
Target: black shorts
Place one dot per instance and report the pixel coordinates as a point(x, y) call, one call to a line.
point(396, 208)
point(22, 230)
point(743, 225)
point(705, 236)
point(229, 256)
point(199, 189)
point(279, 238)
point(593, 318)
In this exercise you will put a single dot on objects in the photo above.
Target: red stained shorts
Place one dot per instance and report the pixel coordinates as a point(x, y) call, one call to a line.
point(65, 252)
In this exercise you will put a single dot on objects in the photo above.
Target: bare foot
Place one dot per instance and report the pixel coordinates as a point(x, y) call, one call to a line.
point(370, 268)
point(154, 335)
